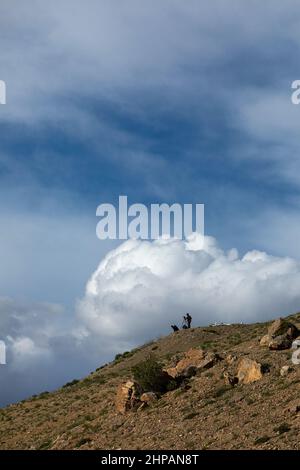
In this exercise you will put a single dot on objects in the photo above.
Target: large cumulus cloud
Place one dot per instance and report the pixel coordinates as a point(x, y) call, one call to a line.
point(142, 287)
point(137, 291)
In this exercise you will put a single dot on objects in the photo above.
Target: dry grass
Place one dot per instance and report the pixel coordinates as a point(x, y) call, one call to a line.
point(209, 415)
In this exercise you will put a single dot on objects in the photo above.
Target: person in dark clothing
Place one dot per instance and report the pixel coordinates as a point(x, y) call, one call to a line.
point(188, 320)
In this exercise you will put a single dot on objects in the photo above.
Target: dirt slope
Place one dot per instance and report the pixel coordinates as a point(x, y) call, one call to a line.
point(209, 415)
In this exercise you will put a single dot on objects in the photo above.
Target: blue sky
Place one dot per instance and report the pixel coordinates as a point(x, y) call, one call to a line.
point(163, 101)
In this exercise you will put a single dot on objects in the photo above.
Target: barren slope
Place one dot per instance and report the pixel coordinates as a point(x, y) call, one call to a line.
point(209, 415)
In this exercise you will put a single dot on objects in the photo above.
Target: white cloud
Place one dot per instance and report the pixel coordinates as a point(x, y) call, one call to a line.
point(114, 49)
point(25, 352)
point(41, 351)
point(142, 287)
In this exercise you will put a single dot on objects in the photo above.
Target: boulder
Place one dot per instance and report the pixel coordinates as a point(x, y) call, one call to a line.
point(172, 372)
point(279, 343)
point(296, 343)
point(294, 407)
point(191, 358)
point(248, 371)
point(283, 327)
point(292, 331)
point(285, 370)
point(148, 397)
point(194, 361)
point(189, 372)
point(127, 397)
point(230, 379)
point(265, 341)
point(209, 361)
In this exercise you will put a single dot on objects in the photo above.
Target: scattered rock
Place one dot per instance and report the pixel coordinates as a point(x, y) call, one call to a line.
point(283, 327)
point(294, 407)
point(193, 362)
point(285, 370)
point(175, 359)
point(248, 371)
point(184, 386)
point(238, 397)
point(280, 335)
point(172, 372)
point(209, 361)
point(127, 397)
point(279, 343)
point(189, 372)
point(296, 343)
point(230, 359)
point(230, 379)
point(148, 397)
point(191, 358)
point(265, 340)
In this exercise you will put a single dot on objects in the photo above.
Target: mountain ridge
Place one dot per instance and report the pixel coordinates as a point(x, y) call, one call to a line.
point(209, 413)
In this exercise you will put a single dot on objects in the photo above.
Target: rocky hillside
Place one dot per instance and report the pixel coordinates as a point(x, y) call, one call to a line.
point(233, 387)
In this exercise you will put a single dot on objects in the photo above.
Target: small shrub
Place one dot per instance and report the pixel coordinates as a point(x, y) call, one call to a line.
point(220, 391)
point(99, 380)
point(45, 445)
point(70, 384)
point(83, 441)
point(249, 401)
point(282, 428)
point(150, 375)
point(265, 368)
point(171, 385)
point(191, 415)
point(179, 392)
point(168, 356)
point(261, 440)
point(126, 354)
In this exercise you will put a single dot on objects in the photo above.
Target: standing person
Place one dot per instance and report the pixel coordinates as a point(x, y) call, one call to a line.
point(185, 323)
point(188, 319)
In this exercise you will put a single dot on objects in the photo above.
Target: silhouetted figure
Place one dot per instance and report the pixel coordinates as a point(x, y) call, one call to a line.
point(188, 319)
point(175, 328)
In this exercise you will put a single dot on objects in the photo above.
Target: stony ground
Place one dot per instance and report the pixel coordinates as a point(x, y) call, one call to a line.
point(209, 415)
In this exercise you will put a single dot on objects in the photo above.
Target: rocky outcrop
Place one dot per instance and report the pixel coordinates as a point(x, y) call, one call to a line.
point(193, 362)
point(279, 343)
point(280, 335)
point(248, 371)
point(209, 361)
point(192, 358)
point(127, 397)
point(283, 327)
